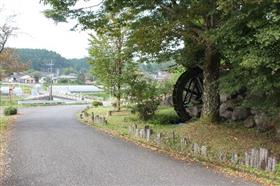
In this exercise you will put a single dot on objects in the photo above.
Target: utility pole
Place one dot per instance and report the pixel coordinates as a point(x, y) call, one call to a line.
point(50, 69)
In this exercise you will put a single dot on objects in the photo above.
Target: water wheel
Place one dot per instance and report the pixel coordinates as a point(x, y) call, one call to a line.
point(187, 94)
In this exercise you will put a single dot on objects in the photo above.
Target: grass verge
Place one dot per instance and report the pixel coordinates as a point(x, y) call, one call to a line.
point(4, 123)
point(225, 137)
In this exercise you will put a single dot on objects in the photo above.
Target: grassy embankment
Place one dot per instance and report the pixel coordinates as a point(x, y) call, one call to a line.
point(225, 137)
point(4, 123)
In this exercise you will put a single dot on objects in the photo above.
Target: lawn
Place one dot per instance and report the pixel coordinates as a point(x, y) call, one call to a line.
point(225, 137)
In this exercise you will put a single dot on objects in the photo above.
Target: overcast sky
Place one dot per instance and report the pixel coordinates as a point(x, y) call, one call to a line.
point(36, 31)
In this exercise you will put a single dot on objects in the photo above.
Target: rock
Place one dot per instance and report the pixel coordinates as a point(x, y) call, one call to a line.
point(263, 123)
point(240, 98)
point(226, 115)
point(249, 122)
point(240, 113)
point(228, 106)
point(195, 111)
point(254, 111)
point(224, 97)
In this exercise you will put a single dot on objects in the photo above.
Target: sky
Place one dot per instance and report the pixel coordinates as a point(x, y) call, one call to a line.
point(37, 31)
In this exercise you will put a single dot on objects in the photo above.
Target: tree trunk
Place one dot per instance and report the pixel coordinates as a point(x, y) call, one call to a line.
point(211, 96)
point(119, 97)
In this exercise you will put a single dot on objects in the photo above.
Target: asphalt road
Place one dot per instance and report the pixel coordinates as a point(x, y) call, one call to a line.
point(48, 146)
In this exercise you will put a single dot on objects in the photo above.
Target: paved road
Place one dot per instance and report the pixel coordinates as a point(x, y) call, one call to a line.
point(48, 146)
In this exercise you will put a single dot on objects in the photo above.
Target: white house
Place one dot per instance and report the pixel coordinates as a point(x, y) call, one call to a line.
point(27, 79)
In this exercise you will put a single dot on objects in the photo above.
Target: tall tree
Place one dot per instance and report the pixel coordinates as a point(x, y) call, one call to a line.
point(110, 58)
point(7, 28)
point(8, 59)
point(250, 41)
point(160, 28)
point(191, 32)
point(9, 63)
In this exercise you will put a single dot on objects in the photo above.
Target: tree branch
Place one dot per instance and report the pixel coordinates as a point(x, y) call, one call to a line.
point(87, 7)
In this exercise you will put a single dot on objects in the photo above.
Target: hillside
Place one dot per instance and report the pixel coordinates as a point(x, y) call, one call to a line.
point(38, 59)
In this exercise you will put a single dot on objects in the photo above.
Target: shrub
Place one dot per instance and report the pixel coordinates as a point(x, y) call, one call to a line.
point(165, 119)
point(10, 111)
point(97, 103)
point(145, 96)
point(146, 109)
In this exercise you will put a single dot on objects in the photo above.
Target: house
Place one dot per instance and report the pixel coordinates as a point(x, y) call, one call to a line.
point(26, 79)
point(14, 78)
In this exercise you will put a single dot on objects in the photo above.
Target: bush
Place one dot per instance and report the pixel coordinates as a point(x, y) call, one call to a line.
point(146, 109)
point(10, 111)
point(165, 119)
point(144, 94)
point(97, 103)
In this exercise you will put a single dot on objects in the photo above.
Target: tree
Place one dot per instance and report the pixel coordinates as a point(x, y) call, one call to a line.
point(250, 41)
point(6, 29)
point(9, 63)
point(206, 33)
point(159, 28)
point(81, 79)
point(110, 59)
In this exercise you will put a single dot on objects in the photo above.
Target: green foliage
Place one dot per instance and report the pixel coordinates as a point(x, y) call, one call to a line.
point(63, 81)
point(245, 34)
point(111, 61)
point(250, 43)
point(10, 111)
point(81, 78)
point(97, 103)
point(166, 87)
point(165, 118)
point(278, 170)
point(145, 95)
point(147, 108)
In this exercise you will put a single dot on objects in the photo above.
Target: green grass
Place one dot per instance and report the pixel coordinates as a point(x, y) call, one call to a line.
point(4, 120)
point(103, 95)
point(226, 137)
point(26, 89)
point(5, 101)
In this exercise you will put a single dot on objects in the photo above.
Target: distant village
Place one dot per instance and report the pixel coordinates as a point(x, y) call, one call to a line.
point(26, 78)
point(44, 77)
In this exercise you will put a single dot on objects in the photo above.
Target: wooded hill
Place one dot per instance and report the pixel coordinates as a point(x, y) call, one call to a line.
point(37, 59)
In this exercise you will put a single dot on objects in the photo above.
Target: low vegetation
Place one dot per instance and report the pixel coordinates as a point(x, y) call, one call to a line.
point(9, 111)
point(97, 103)
point(226, 137)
